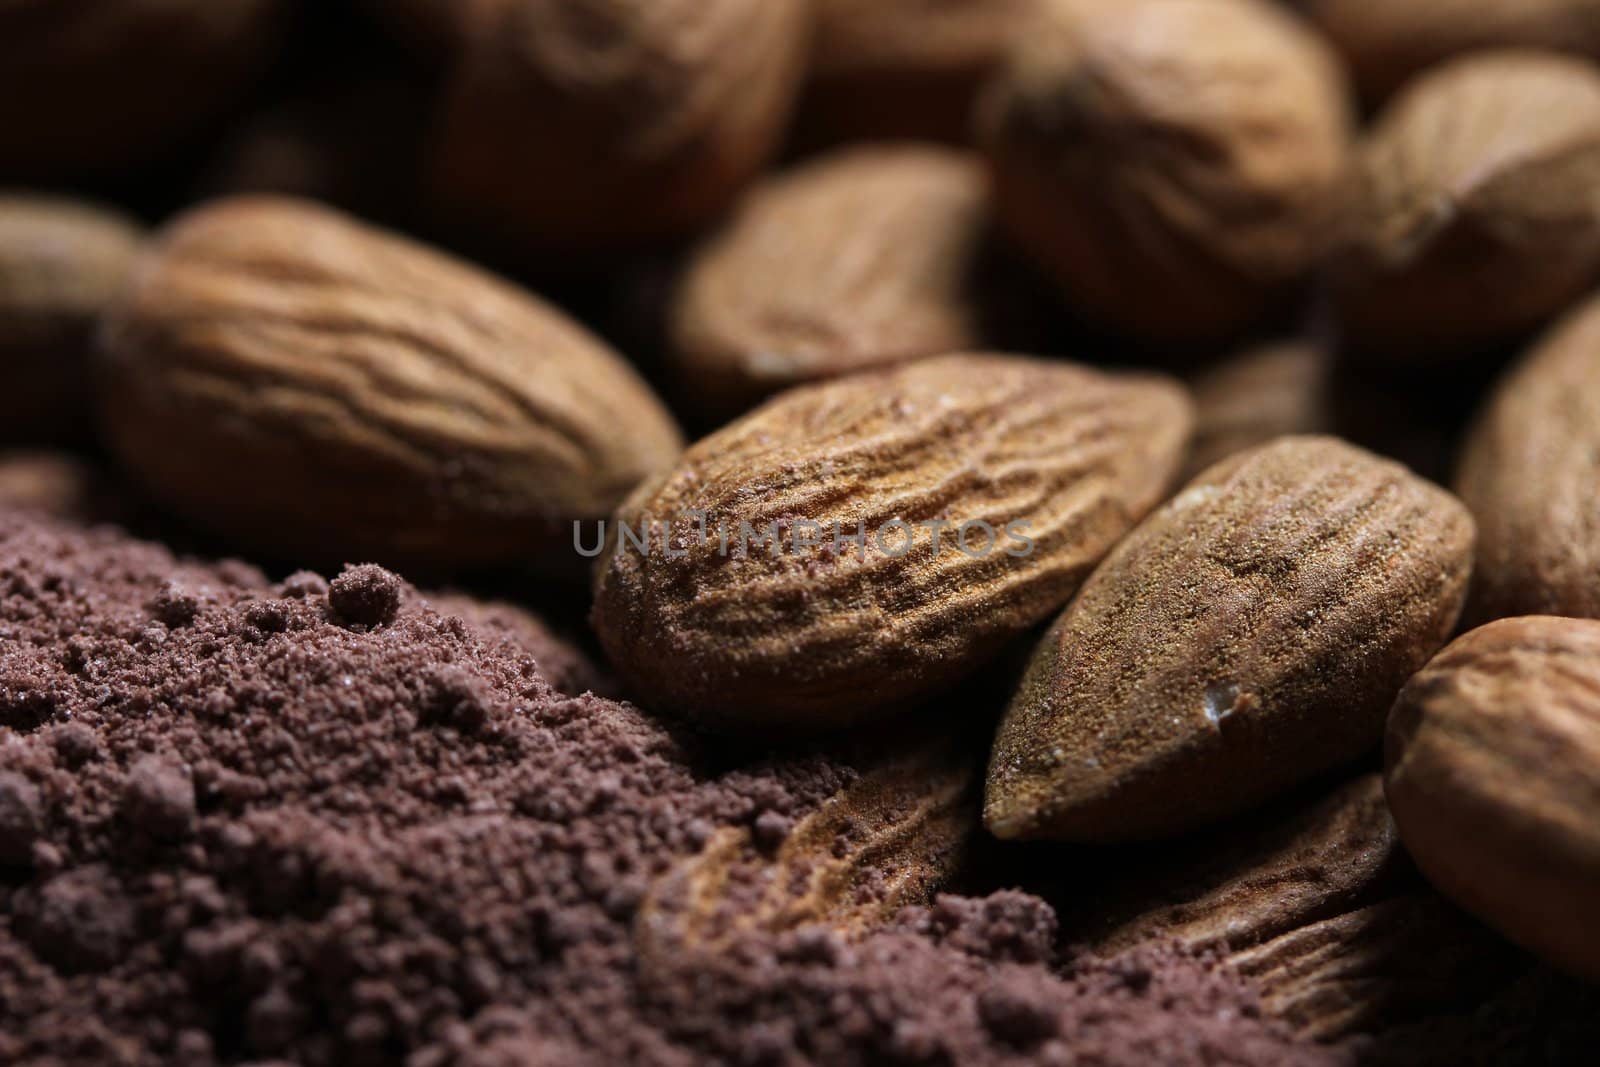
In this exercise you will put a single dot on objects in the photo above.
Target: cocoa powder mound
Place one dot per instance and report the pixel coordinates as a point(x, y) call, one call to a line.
point(324, 822)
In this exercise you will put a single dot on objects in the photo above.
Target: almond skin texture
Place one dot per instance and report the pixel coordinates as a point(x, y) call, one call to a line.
point(61, 264)
point(303, 384)
point(1248, 635)
point(905, 68)
point(1258, 394)
point(1493, 774)
point(1530, 473)
point(1386, 44)
point(89, 88)
point(1474, 215)
point(1174, 164)
point(815, 638)
point(866, 257)
point(572, 124)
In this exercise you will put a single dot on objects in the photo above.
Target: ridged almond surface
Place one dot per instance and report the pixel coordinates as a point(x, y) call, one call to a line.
point(61, 264)
point(906, 68)
point(573, 124)
point(314, 388)
point(1493, 773)
point(1248, 635)
point(869, 256)
point(1530, 473)
point(749, 639)
point(1175, 164)
point(1475, 214)
point(1386, 44)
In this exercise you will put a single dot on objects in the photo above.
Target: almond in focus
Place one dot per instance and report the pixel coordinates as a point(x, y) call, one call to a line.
point(1175, 164)
point(1248, 635)
point(814, 637)
point(303, 384)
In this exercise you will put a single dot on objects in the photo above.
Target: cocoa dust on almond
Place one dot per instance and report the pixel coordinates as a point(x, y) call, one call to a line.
point(342, 823)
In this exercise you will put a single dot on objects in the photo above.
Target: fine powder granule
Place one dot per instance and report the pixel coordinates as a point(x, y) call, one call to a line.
point(326, 823)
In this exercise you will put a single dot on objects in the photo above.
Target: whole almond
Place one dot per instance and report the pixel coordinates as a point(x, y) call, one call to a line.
point(1474, 215)
point(314, 388)
point(780, 636)
point(905, 68)
point(578, 124)
point(88, 88)
point(1531, 475)
point(1248, 635)
point(61, 264)
point(869, 256)
point(1386, 44)
point(1258, 394)
point(1493, 774)
point(1173, 163)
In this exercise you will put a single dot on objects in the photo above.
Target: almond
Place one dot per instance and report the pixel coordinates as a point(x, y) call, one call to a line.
point(1248, 635)
point(1260, 393)
point(1386, 44)
point(578, 124)
point(863, 258)
point(1530, 473)
point(61, 264)
point(1474, 216)
point(104, 86)
point(1493, 773)
point(1174, 164)
point(905, 68)
point(781, 635)
point(301, 383)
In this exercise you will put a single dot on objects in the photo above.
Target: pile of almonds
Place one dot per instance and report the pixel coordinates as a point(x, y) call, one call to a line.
point(1213, 383)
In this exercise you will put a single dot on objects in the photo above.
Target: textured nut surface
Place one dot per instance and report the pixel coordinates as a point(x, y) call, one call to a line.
point(1246, 884)
point(822, 637)
point(88, 87)
point(1263, 392)
point(1474, 214)
point(866, 257)
point(1530, 472)
point(574, 123)
point(906, 68)
point(61, 263)
point(1249, 634)
point(1493, 772)
point(299, 382)
point(1174, 163)
point(1386, 44)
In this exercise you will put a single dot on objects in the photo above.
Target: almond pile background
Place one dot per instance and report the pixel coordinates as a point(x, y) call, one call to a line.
point(1274, 325)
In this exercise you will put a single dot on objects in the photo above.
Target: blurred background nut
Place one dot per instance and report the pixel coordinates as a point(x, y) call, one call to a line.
point(1530, 472)
point(435, 30)
point(904, 68)
point(864, 257)
point(595, 123)
point(1386, 44)
point(87, 88)
point(315, 389)
point(1474, 215)
point(1173, 163)
point(1493, 774)
point(61, 262)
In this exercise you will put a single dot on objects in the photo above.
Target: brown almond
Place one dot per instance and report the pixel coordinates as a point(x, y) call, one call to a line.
point(1175, 164)
point(1258, 394)
point(1245, 884)
point(1530, 473)
point(1387, 44)
point(1473, 217)
point(865, 257)
point(1493, 773)
point(61, 264)
point(579, 124)
point(314, 388)
point(1248, 635)
point(905, 68)
point(781, 636)
point(90, 88)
